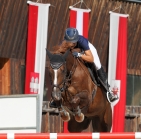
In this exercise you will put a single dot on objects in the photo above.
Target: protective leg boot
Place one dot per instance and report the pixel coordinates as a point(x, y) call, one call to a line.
point(103, 77)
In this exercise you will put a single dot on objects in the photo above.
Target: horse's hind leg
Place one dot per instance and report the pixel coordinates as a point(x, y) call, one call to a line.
point(108, 118)
point(74, 126)
point(96, 123)
point(103, 123)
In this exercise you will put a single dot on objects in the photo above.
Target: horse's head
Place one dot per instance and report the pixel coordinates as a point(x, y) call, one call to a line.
point(57, 69)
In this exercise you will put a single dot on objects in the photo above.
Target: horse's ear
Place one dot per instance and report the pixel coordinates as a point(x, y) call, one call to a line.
point(49, 54)
point(66, 54)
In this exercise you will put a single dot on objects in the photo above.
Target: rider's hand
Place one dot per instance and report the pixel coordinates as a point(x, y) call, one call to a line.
point(76, 54)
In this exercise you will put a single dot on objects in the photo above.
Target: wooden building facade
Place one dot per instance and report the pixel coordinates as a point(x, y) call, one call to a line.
point(13, 40)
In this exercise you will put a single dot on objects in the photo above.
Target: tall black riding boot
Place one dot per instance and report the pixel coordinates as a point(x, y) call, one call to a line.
point(103, 79)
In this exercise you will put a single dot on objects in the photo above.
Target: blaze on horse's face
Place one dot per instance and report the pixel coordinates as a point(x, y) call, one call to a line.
point(57, 71)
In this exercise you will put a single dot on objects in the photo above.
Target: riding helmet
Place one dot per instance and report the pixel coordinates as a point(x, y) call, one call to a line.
point(71, 35)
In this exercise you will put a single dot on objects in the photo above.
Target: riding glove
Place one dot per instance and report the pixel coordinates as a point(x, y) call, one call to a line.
point(76, 54)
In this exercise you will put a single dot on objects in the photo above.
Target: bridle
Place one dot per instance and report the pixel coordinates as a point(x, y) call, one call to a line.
point(56, 67)
point(66, 78)
point(56, 61)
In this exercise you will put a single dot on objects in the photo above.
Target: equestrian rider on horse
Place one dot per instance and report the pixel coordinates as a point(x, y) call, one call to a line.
point(73, 39)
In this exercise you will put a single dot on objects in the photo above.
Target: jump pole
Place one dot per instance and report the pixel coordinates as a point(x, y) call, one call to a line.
point(124, 135)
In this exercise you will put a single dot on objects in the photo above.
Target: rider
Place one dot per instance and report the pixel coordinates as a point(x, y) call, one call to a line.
point(73, 39)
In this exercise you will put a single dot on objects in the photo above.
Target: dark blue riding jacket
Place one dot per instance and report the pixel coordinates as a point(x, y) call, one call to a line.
point(82, 43)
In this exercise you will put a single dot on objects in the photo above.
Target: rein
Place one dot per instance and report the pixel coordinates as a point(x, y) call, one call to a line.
point(68, 79)
point(72, 71)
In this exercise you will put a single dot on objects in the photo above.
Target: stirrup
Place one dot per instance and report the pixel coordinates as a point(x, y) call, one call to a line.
point(111, 97)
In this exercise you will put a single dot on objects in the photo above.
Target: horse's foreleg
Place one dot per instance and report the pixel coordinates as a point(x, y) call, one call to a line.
point(79, 117)
point(64, 114)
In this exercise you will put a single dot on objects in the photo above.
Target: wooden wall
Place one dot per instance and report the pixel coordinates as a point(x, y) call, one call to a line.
point(53, 122)
point(14, 21)
point(11, 76)
point(13, 40)
point(5, 85)
point(133, 119)
point(17, 75)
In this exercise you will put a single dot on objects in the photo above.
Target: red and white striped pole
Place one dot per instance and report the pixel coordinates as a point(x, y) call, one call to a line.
point(123, 135)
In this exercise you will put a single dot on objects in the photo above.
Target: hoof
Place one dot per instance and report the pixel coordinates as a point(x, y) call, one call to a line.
point(65, 117)
point(79, 118)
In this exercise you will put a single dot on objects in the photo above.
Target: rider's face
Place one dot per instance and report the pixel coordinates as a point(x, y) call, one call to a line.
point(71, 44)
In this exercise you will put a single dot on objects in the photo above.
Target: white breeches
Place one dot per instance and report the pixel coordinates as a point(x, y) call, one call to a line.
point(95, 55)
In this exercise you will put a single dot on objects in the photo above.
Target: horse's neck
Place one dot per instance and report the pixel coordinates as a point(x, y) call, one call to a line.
point(70, 61)
point(73, 63)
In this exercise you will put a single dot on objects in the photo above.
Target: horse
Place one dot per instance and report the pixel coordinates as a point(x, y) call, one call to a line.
point(80, 100)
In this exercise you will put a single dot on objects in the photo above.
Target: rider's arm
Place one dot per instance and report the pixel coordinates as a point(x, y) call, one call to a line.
point(87, 56)
point(83, 43)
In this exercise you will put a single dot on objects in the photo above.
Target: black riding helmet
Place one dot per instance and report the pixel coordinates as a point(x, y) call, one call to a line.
point(71, 35)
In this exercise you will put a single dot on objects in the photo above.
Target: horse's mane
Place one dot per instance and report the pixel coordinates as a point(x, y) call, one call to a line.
point(62, 48)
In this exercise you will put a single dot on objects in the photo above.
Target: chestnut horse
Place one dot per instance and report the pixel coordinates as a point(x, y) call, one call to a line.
point(80, 101)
